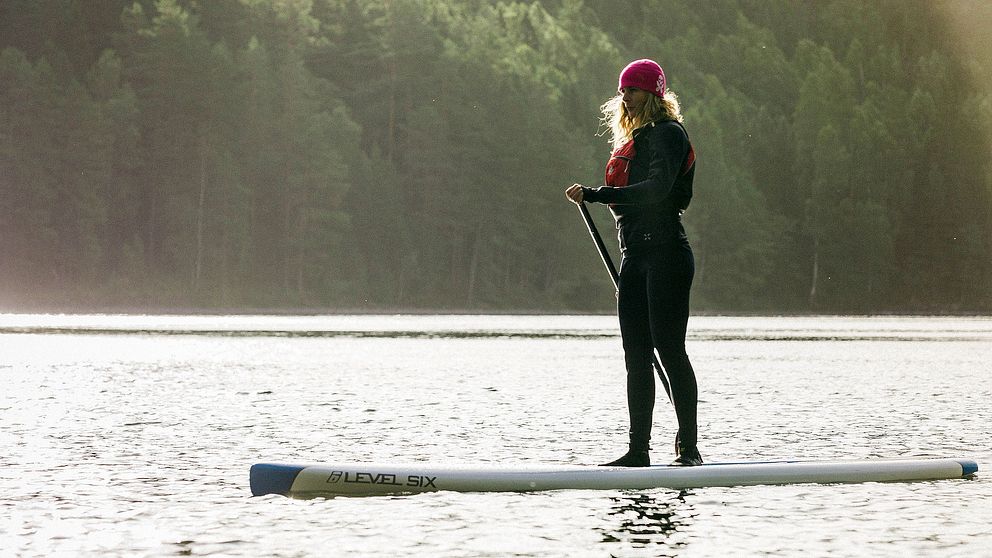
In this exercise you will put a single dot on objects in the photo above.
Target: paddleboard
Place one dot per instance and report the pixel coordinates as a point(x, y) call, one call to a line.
point(362, 479)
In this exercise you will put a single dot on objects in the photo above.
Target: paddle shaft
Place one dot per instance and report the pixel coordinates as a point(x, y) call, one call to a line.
point(608, 262)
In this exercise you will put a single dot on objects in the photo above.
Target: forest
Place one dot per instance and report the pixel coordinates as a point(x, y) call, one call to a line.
point(410, 155)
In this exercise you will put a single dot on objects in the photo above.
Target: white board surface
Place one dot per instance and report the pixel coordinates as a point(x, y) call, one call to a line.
point(336, 479)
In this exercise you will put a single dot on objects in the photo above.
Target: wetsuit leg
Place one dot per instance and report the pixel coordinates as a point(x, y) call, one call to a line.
point(669, 279)
point(635, 329)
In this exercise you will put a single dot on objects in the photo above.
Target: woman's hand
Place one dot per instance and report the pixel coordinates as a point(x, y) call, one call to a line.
point(574, 193)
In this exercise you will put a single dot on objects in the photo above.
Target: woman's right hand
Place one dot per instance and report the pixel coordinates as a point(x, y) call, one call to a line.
point(574, 193)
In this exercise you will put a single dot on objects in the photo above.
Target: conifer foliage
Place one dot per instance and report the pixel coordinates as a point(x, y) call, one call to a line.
point(367, 155)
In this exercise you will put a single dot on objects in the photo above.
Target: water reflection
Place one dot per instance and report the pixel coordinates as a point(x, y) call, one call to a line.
point(702, 328)
point(650, 519)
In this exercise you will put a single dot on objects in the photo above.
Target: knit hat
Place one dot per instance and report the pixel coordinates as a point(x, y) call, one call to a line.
point(644, 74)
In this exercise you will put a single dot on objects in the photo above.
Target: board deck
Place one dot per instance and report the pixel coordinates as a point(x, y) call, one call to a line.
point(362, 479)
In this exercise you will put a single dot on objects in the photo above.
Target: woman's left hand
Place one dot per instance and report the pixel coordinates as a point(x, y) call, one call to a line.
point(574, 193)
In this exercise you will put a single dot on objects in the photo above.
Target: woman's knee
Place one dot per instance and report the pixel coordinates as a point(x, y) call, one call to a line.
point(671, 350)
point(676, 361)
point(638, 363)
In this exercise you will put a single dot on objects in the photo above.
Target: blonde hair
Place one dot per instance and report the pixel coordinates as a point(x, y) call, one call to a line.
point(621, 125)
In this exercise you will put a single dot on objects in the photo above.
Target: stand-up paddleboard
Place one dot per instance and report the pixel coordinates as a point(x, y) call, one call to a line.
point(377, 479)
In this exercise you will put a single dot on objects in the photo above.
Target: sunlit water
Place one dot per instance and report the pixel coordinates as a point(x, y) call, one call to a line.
point(131, 436)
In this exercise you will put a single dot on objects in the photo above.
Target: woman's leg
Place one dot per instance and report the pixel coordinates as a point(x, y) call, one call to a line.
point(635, 329)
point(668, 284)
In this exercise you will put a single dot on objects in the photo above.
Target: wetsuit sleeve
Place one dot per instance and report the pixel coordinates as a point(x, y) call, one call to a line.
point(668, 149)
point(592, 195)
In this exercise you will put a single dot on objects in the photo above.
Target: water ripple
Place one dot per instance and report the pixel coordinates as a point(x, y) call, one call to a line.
point(124, 444)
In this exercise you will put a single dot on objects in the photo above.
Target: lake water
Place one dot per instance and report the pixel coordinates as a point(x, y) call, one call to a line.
point(133, 435)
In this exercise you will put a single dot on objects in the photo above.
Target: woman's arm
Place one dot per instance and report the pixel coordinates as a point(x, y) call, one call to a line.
point(668, 148)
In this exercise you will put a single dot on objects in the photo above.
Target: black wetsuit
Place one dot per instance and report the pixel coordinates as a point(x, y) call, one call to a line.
point(655, 274)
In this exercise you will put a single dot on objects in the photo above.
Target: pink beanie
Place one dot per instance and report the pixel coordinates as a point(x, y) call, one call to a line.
point(644, 74)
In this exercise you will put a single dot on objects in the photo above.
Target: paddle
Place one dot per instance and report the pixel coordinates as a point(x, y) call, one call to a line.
point(608, 262)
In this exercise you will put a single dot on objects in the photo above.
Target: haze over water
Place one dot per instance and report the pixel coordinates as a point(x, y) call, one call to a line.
point(133, 435)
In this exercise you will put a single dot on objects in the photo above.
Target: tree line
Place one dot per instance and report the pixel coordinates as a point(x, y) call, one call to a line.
point(364, 155)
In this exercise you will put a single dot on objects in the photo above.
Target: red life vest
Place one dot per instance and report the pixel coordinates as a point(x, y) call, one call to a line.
point(618, 167)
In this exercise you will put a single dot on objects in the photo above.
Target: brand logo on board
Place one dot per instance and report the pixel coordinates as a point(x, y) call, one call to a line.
point(387, 479)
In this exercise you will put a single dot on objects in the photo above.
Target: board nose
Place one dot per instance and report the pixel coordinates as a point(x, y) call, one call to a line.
point(272, 478)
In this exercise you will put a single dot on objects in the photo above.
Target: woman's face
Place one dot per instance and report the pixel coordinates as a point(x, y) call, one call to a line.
point(634, 99)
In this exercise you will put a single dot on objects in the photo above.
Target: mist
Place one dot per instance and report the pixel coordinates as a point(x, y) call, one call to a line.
point(361, 156)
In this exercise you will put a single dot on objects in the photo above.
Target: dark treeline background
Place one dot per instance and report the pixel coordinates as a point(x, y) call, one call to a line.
point(372, 155)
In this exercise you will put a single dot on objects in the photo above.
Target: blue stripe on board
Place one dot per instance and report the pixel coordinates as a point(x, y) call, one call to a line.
point(968, 466)
point(270, 478)
point(777, 462)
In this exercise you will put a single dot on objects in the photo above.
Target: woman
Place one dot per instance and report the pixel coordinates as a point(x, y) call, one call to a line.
point(648, 185)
